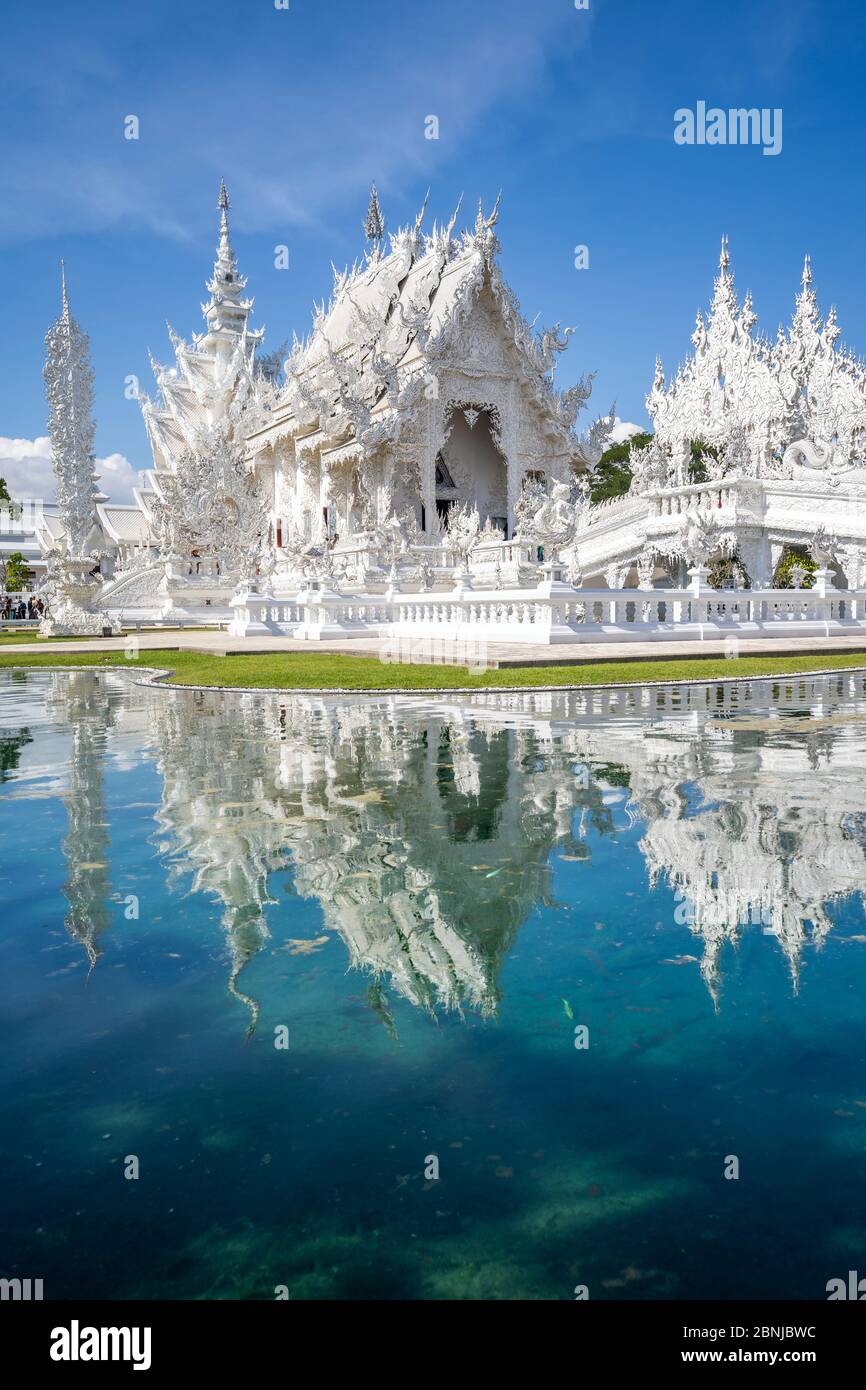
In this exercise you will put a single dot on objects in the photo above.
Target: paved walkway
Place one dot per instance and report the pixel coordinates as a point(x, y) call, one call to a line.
point(497, 654)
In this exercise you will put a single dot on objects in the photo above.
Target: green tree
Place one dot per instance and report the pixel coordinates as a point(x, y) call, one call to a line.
point(14, 508)
point(10, 751)
point(727, 568)
point(791, 558)
point(613, 476)
point(17, 572)
point(700, 452)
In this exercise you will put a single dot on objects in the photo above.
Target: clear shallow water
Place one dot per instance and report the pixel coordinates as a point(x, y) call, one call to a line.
point(431, 896)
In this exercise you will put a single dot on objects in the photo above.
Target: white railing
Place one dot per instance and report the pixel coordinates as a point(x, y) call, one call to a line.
point(554, 613)
point(703, 496)
point(513, 552)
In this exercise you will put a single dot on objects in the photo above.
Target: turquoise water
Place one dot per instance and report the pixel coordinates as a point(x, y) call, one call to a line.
point(426, 899)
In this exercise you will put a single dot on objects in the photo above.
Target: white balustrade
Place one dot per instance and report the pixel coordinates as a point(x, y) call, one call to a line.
point(556, 613)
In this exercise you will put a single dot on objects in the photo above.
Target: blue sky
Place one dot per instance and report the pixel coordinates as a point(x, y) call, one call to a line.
point(570, 112)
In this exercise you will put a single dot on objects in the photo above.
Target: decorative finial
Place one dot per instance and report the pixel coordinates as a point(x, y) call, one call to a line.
point(224, 252)
point(374, 223)
point(420, 218)
point(486, 224)
point(456, 213)
point(724, 255)
point(807, 271)
point(64, 293)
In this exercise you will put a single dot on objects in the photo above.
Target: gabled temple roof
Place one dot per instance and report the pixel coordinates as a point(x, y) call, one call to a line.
point(400, 308)
point(126, 525)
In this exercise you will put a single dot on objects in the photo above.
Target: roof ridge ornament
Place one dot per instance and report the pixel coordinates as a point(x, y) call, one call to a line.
point(451, 225)
point(374, 222)
point(420, 218)
point(485, 237)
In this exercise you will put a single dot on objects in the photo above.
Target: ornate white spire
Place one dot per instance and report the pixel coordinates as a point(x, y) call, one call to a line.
point(807, 316)
point(64, 293)
point(227, 311)
point(725, 296)
point(69, 390)
point(72, 586)
point(374, 222)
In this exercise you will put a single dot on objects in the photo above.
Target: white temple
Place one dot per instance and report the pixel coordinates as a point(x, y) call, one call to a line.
point(411, 469)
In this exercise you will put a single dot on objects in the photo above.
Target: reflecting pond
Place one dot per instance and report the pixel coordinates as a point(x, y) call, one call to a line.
point(414, 997)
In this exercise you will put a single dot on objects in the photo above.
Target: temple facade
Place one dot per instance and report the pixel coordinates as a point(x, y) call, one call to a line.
point(420, 388)
point(411, 469)
point(421, 391)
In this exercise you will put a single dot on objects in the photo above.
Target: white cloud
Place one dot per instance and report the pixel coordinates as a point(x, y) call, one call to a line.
point(117, 477)
point(26, 466)
point(623, 430)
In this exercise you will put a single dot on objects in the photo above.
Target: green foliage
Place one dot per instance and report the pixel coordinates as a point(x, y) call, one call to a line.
point(17, 572)
point(614, 774)
point(613, 476)
point(791, 559)
point(726, 568)
point(4, 491)
point(697, 465)
point(10, 751)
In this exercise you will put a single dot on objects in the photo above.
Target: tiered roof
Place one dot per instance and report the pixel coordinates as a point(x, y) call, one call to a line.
point(212, 380)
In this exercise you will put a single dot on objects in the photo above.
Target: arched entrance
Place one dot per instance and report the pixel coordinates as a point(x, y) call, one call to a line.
point(470, 466)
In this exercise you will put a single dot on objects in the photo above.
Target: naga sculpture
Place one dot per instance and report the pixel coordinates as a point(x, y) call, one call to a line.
point(820, 458)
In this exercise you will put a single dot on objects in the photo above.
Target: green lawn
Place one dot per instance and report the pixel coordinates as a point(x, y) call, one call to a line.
point(10, 638)
point(323, 670)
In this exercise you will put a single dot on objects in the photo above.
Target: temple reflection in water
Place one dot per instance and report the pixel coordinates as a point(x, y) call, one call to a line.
point(425, 829)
